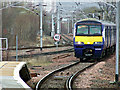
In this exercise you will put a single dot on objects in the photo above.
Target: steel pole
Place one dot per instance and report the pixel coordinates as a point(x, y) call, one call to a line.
point(53, 31)
point(103, 15)
point(0, 49)
point(68, 26)
point(0, 31)
point(117, 42)
point(16, 48)
point(59, 25)
point(72, 26)
point(58, 22)
point(41, 28)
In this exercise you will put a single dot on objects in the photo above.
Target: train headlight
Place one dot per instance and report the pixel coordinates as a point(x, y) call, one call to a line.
point(79, 42)
point(100, 43)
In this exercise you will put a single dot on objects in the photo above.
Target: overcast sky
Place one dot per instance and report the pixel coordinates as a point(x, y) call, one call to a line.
point(63, 0)
point(80, 0)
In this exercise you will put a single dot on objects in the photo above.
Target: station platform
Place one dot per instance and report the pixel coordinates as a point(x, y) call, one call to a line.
point(14, 75)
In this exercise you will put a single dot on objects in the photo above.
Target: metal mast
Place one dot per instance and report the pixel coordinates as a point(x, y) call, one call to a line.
point(0, 31)
point(41, 27)
point(58, 21)
point(117, 41)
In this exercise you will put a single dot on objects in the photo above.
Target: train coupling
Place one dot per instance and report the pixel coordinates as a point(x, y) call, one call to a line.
point(88, 52)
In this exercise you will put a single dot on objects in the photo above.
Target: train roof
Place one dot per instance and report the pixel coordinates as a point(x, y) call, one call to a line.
point(93, 19)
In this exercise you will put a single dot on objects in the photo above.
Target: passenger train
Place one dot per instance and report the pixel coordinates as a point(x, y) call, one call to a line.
point(94, 38)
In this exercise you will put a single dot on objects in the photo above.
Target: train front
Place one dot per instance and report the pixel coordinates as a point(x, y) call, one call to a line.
point(88, 40)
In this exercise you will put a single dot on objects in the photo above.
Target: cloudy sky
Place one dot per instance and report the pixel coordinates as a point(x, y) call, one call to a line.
point(80, 0)
point(62, 0)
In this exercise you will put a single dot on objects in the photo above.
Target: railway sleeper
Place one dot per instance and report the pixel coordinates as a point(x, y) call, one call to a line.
point(30, 52)
point(60, 77)
point(62, 56)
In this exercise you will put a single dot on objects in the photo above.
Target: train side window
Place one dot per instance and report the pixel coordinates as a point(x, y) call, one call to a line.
point(106, 31)
point(114, 30)
point(111, 31)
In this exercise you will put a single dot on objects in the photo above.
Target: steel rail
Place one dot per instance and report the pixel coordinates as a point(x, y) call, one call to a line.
point(70, 80)
point(46, 53)
point(65, 35)
point(39, 84)
point(23, 48)
point(69, 40)
point(64, 39)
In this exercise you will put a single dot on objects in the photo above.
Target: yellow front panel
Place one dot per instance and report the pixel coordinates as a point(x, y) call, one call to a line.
point(88, 39)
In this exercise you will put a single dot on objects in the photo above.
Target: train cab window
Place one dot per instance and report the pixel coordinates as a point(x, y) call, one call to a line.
point(95, 30)
point(82, 29)
point(89, 30)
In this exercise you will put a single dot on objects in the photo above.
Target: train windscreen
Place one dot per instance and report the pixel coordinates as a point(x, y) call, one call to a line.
point(92, 30)
point(82, 29)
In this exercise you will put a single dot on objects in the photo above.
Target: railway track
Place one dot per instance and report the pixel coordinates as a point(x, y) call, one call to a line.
point(70, 80)
point(60, 78)
point(24, 48)
point(62, 56)
point(68, 37)
point(66, 41)
point(33, 53)
point(46, 53)
point(70, 41)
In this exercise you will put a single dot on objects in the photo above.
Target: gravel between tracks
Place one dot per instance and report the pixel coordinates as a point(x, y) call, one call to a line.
point(44, 70)
point(98, 76)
